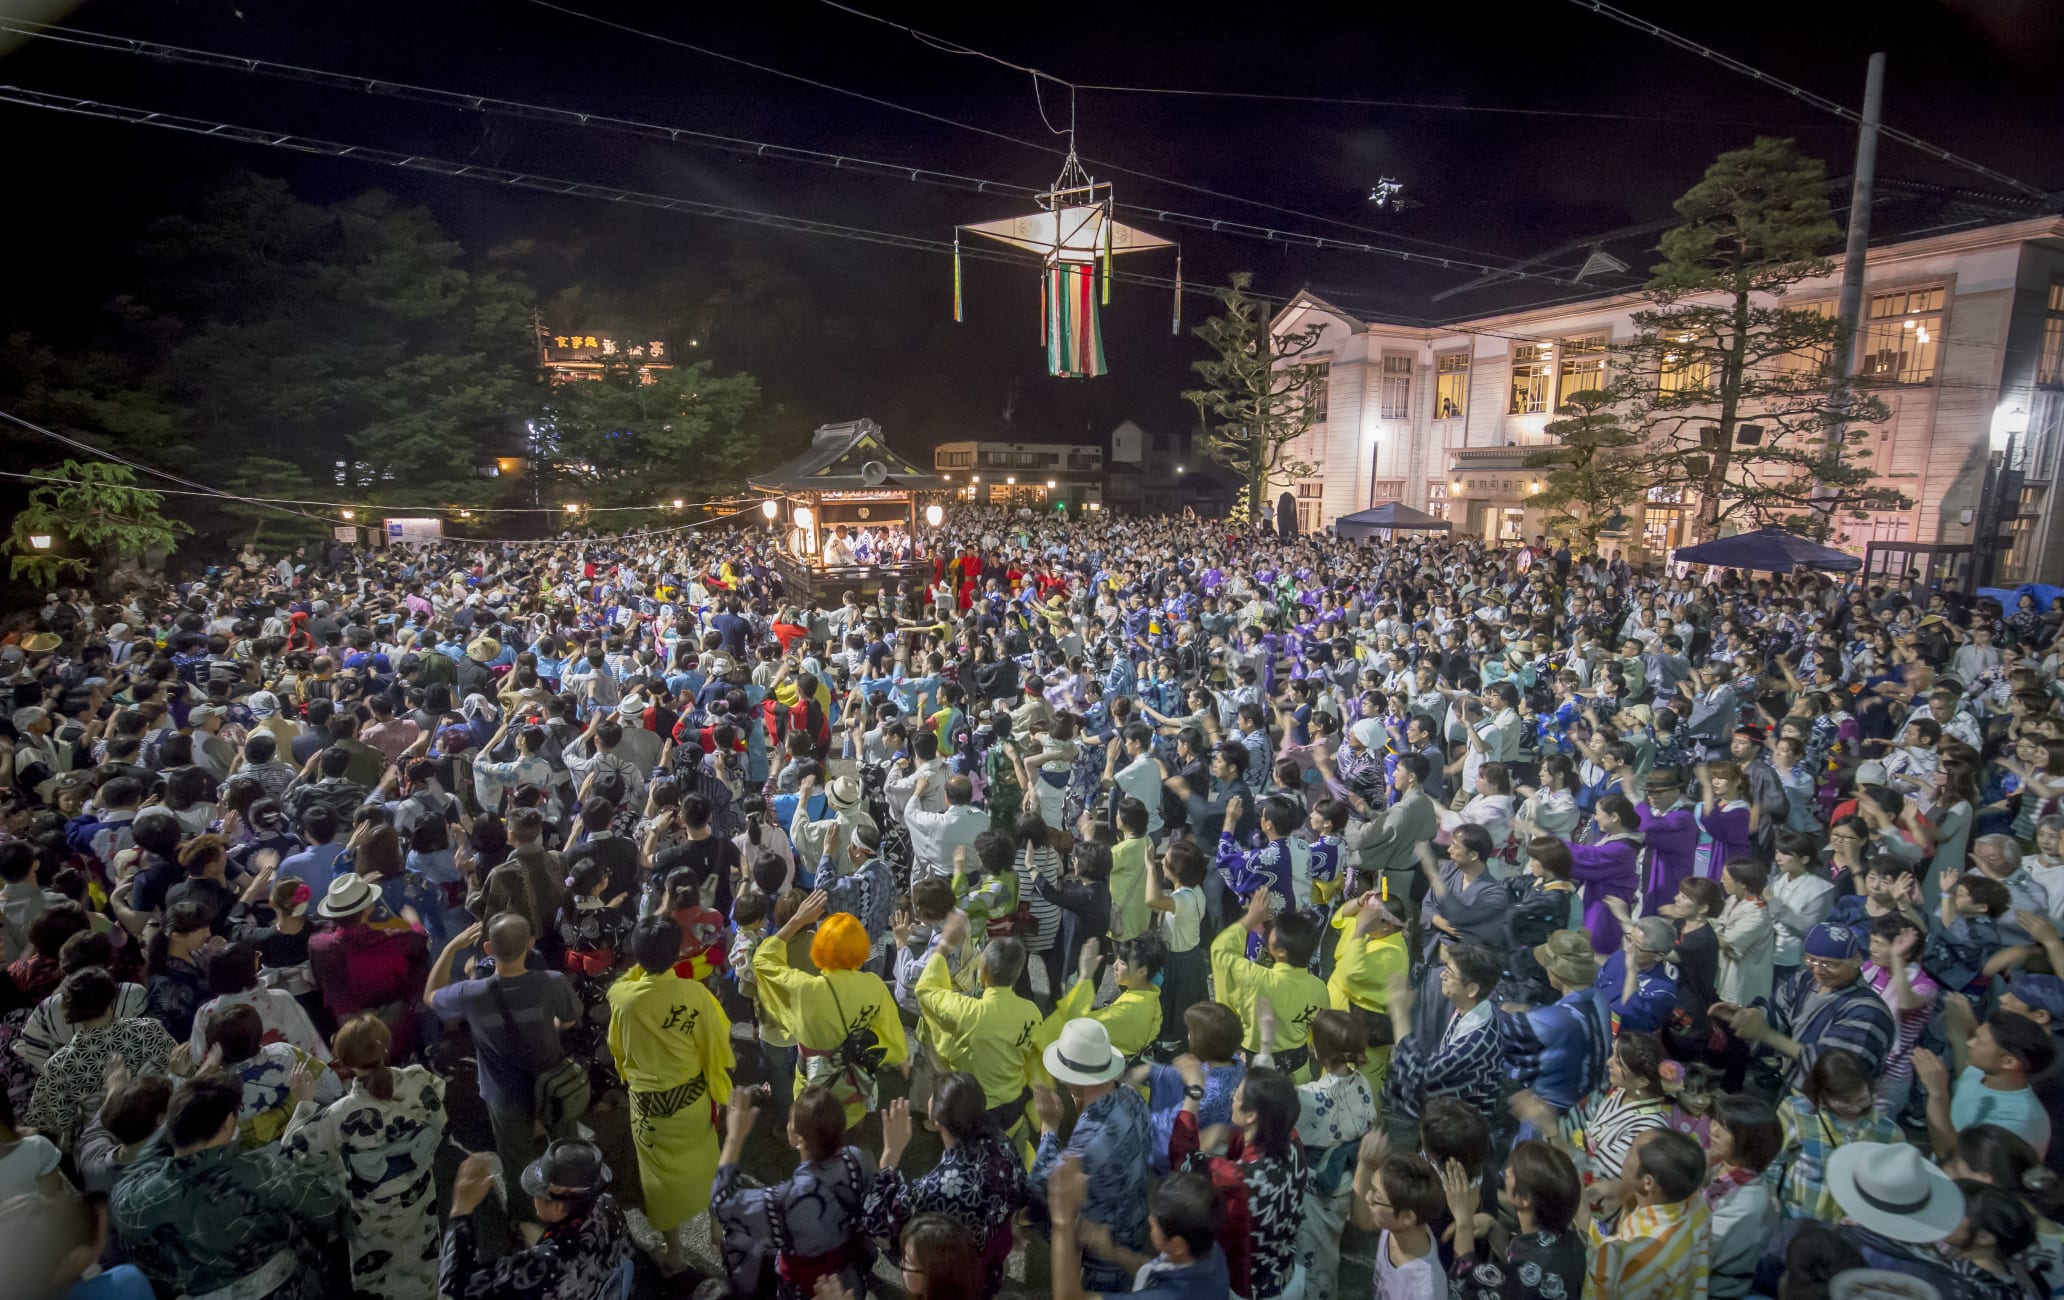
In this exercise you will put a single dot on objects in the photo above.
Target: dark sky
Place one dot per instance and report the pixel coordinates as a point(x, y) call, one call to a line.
point(866, 330)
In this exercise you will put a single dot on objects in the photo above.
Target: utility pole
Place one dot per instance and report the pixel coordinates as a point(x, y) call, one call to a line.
point(1849, 306)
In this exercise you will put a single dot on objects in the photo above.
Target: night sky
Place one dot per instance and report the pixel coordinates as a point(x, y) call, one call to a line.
point(845, 329)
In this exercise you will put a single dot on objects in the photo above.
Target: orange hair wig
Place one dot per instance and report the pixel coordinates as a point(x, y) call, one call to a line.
point(841, 943)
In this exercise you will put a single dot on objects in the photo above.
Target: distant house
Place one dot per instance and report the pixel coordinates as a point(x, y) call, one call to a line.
point(1162, 473)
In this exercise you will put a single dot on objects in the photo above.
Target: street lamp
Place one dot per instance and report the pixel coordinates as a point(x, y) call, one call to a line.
point(1051, 485)
point(1010, 480)
point(678, 503)
point(1178, 469)
point(39, 541)
point(348, 514)
point(572, 508)
point(974, 478)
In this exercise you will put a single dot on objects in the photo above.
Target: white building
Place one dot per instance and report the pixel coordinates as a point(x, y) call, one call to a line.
point(1965, 345)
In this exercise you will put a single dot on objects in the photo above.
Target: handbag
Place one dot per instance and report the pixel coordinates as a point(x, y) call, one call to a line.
point(560, 1094)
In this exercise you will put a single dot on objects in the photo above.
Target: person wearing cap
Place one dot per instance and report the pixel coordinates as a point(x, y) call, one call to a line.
point(1669, 837)
point(585, 1252)
point(1638, 982)
point(1825, 1003)
point(1559, 1051)
point(1112, 1140)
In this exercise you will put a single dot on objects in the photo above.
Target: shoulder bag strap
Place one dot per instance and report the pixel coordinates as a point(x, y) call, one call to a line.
point(494, 988)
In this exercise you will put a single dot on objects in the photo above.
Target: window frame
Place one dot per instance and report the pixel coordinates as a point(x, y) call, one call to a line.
point(1445, 376)
point(1390, 376)
point(1892, 325)
point(1537, 361)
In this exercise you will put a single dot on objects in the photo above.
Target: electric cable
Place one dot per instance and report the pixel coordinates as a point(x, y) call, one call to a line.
point(468, 102)
point(1821, 102)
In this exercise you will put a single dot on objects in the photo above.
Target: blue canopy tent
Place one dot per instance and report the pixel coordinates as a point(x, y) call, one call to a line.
point(1381, 521)
point(1768, 550)
point(2010, 597)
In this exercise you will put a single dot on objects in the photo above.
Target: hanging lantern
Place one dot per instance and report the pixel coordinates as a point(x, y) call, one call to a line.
point(1075, 233)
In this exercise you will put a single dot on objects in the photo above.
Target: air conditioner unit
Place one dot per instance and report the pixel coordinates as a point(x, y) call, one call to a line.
point(1709, 435)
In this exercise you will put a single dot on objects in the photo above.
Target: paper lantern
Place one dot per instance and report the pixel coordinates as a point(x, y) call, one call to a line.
point(1075, 234)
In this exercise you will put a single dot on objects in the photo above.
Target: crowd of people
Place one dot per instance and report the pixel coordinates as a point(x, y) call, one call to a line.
point(1233, 914)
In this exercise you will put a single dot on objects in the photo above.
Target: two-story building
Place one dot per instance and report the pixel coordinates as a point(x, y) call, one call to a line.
point(1964, 343)
point(1036, 474)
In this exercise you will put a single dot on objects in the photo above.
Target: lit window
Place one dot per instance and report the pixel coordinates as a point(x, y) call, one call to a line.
point(1903, 337)
point(2051, 369)
point(1684, 370)
point(1321, 391)
point(1583, 364)
point(1437, 498)
point(1310, 501)
point(1397, 388)
point(1451, 386)
point(1533, 377)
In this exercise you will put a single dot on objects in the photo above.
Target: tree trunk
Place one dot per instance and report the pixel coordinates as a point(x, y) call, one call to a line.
point(1706, 525)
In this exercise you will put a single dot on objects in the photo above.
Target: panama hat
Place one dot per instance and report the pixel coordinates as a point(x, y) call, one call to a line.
point(1083, 1054)
point(1889, 1188)
point(844, 794)
point(349, 894)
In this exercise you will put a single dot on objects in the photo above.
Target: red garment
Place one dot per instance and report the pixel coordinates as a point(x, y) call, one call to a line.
point(359, 968)
point(1235, 1228)
point(788, 634)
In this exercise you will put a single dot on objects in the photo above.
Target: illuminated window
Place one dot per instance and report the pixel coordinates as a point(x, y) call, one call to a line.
point(1533, 377)
point(1815, 360)
point(1397, 388)
point(1321, 391)
point(1451, 386)
point(1310, 501)
point(1583, 365)
point(2017, 561)
point(1683, 368)
point(1662, 527)
point(1437, 498)
point(1903, 337)
point(2051, 369)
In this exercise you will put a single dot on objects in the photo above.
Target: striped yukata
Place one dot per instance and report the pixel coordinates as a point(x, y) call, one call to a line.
point(1658, 1252)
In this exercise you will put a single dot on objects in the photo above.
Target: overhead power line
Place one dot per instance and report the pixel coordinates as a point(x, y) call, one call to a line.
point(523, 180)
point(1103, 164)
point(1822, 102)
point(464, 101)
point(1422, 106)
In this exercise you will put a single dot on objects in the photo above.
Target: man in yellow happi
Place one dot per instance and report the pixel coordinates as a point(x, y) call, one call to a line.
point(993, 1037)
point(672, 1044)
point(1133, 1018)
point(1368, 956)
point(837, 1016)
point(1296, 994)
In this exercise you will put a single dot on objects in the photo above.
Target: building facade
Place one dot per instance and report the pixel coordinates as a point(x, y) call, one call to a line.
point(1964, 343)
point(1037, 474)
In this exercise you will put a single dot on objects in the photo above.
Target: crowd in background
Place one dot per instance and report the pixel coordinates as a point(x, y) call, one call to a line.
point(1235, 914)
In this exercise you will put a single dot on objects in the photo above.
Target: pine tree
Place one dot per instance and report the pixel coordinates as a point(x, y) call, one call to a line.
point(1597, 470)
point(1735, 393)
point(96, 522)
point(1259, 397)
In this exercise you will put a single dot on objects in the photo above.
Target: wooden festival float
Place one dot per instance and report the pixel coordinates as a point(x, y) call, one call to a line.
point(850, 484)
